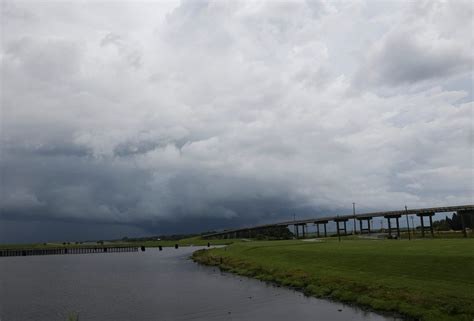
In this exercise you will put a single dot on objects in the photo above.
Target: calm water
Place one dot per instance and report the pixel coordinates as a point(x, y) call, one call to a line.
point(151, 285)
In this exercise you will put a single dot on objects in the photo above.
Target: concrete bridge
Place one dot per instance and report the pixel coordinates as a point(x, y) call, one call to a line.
point(425, 216)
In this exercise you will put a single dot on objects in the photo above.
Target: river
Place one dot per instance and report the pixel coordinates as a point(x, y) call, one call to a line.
point(152, 285)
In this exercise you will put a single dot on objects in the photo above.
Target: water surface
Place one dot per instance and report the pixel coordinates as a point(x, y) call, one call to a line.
point(151, 285)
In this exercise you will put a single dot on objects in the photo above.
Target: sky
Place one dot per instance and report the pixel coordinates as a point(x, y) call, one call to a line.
point(129, 118)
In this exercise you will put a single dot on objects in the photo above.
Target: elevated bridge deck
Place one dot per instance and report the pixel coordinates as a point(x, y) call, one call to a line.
point(389, 215)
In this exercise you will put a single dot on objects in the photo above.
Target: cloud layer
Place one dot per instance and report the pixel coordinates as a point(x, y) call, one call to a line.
point(224, 113)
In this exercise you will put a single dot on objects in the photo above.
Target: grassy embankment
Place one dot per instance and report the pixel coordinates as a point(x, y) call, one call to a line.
point(195, 241)
point(421, 279)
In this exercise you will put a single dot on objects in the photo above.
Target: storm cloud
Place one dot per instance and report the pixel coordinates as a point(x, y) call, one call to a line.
point(196, 115)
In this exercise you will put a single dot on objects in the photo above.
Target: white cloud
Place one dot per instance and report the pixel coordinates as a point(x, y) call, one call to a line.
point(129, 112)
point(432, 42)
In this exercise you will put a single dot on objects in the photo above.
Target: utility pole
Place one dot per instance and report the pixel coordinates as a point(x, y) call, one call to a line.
point(337, 227)
point(294, 225)
point(354, 213)
point(408, 224)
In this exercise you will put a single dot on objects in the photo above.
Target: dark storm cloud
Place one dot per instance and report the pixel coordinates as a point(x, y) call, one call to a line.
point(149, 118)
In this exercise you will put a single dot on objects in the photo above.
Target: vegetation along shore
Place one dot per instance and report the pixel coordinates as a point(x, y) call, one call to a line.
point(429, 279)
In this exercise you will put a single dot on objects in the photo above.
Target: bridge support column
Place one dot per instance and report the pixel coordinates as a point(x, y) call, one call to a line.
point(464, 215)
point(389, 220)
point(422, 227)
point(361, 224)
point(398, 227)
point(389, 228)
point(431, 225)
point(344, 228)
point(318, 231)
point(422, 215)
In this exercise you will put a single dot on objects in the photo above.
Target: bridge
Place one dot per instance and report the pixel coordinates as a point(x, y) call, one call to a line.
point(364, 220)
point(68, 250)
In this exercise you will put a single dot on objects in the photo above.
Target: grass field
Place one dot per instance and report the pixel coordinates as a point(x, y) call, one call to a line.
point(422, 279)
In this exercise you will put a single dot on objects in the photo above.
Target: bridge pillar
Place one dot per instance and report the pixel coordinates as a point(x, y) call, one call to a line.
point(398, 226)
point(318, 231)
point(361, 224)
point(389, 228)
point(421, 216)
point(389, 220)
point(431, 225)
point(464, 215)
point(422, 227)
point(344, 228)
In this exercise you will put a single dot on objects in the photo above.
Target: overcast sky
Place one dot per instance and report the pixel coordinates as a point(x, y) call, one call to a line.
point(136, 118)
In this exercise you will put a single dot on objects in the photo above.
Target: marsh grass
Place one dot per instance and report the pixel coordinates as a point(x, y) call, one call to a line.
point(73, 316)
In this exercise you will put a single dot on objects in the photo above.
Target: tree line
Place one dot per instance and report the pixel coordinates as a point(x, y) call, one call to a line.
point(454, 223)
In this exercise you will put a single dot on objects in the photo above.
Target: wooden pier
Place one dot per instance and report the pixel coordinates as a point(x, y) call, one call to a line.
point(62, 251)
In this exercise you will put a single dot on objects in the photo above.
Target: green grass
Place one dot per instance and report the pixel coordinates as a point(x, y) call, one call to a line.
point(73, 316)
point(421, 279)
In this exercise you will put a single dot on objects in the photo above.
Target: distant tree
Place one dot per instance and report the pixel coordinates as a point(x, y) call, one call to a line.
point(441, 225)
point(454, 223)
point(274, 233)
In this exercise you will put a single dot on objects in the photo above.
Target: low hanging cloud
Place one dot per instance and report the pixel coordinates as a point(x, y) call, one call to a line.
point(232, 113)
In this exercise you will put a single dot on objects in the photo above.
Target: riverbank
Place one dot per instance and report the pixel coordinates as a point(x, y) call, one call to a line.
point(422, 279)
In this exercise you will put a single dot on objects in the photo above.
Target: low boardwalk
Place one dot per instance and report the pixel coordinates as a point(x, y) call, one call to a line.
point(58, 251)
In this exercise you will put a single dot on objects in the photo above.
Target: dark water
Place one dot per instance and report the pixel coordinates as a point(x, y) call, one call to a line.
point(149, 285)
